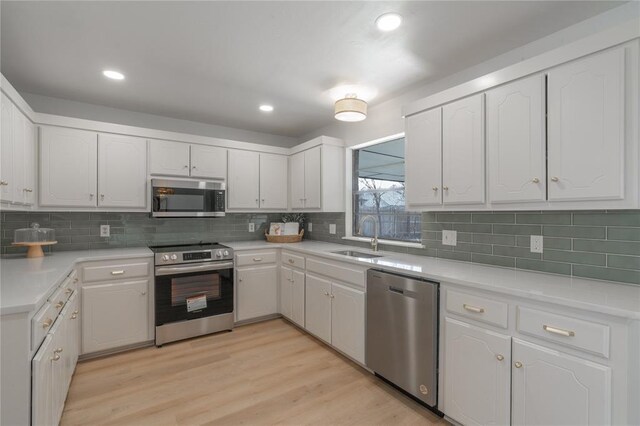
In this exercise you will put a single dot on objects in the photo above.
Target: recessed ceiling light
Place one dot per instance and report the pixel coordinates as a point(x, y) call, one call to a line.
point(388, 21)
point(266, 108)
point(113, 75)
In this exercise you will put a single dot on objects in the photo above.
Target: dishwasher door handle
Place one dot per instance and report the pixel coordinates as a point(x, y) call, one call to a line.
point(396, 290)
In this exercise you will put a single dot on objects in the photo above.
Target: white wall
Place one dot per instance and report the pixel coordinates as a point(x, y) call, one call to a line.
point(67, 108)
point(386, 118)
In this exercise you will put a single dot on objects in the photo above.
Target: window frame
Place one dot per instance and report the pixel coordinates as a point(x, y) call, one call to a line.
point(348, 218)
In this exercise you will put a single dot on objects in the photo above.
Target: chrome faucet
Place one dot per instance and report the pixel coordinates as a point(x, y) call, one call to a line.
point(376, 229)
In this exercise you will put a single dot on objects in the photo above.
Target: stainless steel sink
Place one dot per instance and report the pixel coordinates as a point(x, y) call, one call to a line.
point(352, 253)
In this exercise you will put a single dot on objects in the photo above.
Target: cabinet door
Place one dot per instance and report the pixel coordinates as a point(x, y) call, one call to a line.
point(586, 128)
point(29, 192)
point(285, 292)
point(19, 136)
point(257, 290)
point(208, 162)
point(168, 158)
point(550, 387)
point(516, 141)
point(59, 372)
point(114, 315)
point(318, 307)
point(296, 182)
point(122, 171)
point(312, 178)
point(463, 151)
point(68, 173)
point(41, 384)
point(6, 150)
point(347, 321)
point(297, 297)
point(423, 158)
point(477, 367)
point(243, 191)
point(273, 181)
point(73, 332)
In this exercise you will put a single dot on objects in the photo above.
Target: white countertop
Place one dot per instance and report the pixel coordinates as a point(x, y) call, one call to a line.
point(593, 295)
point(25, 283)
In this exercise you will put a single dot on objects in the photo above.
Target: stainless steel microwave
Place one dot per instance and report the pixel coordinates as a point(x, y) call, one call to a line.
point(187, 198)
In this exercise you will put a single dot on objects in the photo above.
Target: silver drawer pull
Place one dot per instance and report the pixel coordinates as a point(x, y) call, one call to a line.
point(69, 290)
point(257, 259)
point(473, 308)
point(47, 323)
point(120, 272)
point(291, 261)
point(561, 332)
point(56, 357)
point(59, 305)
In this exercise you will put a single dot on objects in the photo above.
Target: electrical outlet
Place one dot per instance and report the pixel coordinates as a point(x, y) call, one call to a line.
point(310, 226)
point(105, 231)
point(536, 244)
point(332, 228)
point(449, 238)
point(252, 227)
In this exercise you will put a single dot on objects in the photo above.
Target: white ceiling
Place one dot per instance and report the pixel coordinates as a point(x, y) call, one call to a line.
point(215, 62)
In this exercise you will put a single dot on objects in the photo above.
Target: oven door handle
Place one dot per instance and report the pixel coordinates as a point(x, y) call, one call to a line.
point(172, 270)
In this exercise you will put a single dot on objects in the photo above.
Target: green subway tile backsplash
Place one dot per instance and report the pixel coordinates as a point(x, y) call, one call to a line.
point(601, 245)
point(595, 244)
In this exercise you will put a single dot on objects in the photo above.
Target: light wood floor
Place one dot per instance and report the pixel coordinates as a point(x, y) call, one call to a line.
point(260, 374)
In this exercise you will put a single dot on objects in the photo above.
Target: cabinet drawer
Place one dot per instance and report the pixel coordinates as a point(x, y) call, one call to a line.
point(573, 332)
point(256, 258)
point(289, 259)
point(339, 271)
point(115, 271)
point(41, 323)
point(59, 298)
point(478, 308)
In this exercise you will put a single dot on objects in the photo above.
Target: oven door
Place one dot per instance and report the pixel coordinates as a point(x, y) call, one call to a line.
point(193, 291)
point(178, 198)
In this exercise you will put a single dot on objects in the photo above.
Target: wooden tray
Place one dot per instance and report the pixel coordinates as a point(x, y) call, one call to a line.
point(35, 249)
point(284, 238)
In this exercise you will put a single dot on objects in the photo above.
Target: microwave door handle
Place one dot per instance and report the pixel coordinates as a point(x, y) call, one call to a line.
point(172, 270)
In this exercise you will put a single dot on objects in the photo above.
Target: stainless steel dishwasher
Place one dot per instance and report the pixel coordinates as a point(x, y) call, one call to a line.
point(402, 333)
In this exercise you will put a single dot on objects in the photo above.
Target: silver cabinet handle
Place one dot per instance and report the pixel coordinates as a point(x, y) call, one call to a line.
point(291, 261)
point(517, 364)
point(68, 291)
point(102, 197)
point(535, 180)
point(74, 316)
point(326, 293)
point(57, 351)
point(186, 166)
point(56, 357)
point(27, 190)
point(193, 167)
point(473, 308)
point(257, 259)
point(47, 323)
point(59, 305)
point(435, 188)
point(90, 196)
point(554, 179)
point(239, 279)
point(144, 293)
point(499, 357)
point(120, 272)
point(76, 312)
point(446, 188)
point(4, 183)
point(559, 331)
point(331, 296)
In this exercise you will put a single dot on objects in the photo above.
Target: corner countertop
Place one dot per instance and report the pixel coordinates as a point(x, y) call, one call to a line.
point(606, 297)
point(25, 283)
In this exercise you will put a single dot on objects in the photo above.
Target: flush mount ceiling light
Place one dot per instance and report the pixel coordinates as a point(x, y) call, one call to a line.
point(388, 22)
point(113, 75)
point(350, 108)
point(266, 108)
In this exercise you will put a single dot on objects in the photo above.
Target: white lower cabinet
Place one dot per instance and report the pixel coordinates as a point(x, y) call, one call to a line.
point(114, 315)
point(477, 374)
point(292, 295)
point(335, 313)
point(257, 291)
point(550, 387)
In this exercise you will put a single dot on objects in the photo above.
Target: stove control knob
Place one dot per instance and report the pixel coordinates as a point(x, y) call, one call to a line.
point(165, 257)
point(174, 257)
point(226, 252)
point(219, 253)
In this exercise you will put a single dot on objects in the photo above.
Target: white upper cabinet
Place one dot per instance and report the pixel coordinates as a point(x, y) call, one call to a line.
point(68, 167)
point(29, 190)
point(208, 162)
point(423, 158)
point(122, 171)
point(243, 190)
point(273, 181)
point(463, 151)
point(168, 158)
point(296, 183)
point(586, 128)
point(516, 141)
point(312, 177)
point(552, 388)
point(6, 151)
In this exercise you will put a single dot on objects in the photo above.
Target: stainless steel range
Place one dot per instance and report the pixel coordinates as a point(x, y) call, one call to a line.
point(193, 290)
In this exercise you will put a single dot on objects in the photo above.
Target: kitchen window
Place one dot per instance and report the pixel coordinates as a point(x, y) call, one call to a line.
point(378, 191)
